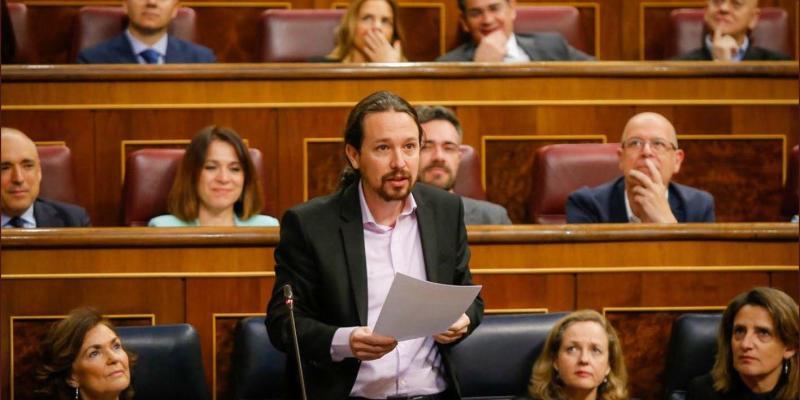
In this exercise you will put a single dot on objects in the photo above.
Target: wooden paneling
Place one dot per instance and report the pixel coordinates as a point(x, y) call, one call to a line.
point(211, 277)
point(290, 114)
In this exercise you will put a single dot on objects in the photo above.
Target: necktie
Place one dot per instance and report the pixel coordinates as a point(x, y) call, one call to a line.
point(17, 222)
point(150, 56)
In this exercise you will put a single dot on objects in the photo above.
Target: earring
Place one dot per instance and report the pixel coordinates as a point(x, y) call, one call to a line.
point(77, 393)
point(605, 380)
point(786, 366)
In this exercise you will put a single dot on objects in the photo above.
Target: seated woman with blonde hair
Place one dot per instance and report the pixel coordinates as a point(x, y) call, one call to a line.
point(83, 358)
point(757, 345)
point(581, 359)
point(216, 184)
point(369, 32)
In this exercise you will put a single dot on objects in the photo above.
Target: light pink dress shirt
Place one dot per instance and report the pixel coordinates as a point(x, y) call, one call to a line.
point(414, 367)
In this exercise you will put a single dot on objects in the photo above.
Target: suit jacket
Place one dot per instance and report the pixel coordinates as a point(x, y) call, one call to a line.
point(479, 212)
point(538, 46)
point(753, 53)
point(702, 388)
point(606, 203)
point(55, 214)
point(118, 50)
point(321, 254)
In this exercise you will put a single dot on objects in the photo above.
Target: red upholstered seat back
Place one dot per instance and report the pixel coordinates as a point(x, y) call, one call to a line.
point(561, 19)
point(688, 28)
point(560, 169)
point(149, 174)
point(18, 16)
point(791, 193)
point(297, 35)
point(468, 177)
point(57, 181)
point(98, 24)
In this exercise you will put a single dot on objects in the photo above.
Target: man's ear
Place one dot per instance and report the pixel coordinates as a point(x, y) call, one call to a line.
point(462, 21)
point(352, 155)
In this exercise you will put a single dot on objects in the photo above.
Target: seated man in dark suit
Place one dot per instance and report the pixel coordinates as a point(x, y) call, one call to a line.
point(490, 24)
point(439, 160)
point(729, 22)
point(21, 176)
point(146, 40)
point(648, 157)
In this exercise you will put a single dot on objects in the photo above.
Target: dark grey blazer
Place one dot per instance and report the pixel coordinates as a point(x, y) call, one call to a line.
point(538, 46)
point(55, 214)
point(118, 50)
point(606, 203)
point(753, 53)
point(321, 254)
point(479, 212)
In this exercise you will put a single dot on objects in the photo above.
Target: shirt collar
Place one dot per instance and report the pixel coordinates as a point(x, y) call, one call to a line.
point(138, 46)
point(369, 220)
point(631, 216)
point(515, 53)
point(27, 218)
point(739, 56)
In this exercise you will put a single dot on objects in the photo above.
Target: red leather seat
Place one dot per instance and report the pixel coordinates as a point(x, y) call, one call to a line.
point(297, 35)
point(149, 174)
point(561, 19)
point(688, 28)
point(98, 24)
point(791, 193)
point(468, 177)
point(57, 182)
point(18, 18)
point(560, 169)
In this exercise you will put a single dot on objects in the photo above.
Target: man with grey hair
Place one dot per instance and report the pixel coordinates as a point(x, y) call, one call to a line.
point(439, 160)
point(21, 176)
point(729, 22)
point(648, 157)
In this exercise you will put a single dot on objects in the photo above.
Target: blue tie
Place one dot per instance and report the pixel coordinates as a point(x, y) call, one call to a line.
point(17, 222)
point(150, 56)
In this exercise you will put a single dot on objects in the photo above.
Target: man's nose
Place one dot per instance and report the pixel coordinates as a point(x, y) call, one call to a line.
point(398, 159)
point(16, 174)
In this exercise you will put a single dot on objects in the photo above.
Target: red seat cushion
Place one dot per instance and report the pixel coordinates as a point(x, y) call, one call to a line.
point(560, 169)
point(297, 35)
point(57, 182)
point(468, 178)
point(561, 19)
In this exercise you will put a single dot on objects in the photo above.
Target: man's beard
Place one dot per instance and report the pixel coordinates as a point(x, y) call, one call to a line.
point(391, 194)
point(449, 183)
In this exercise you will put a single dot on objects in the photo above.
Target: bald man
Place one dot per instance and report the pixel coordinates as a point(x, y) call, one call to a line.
point(729, 23)
point(21, 176)
point(648, 157)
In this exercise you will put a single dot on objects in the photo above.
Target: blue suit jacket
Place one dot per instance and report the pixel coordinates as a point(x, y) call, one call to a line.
point(606, 203)
point(118, 50)
point(55, 214)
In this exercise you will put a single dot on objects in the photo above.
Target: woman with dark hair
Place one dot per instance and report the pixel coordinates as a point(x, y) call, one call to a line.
point(83, 358)
point(369, 32)
point(757, 346)
point(216, 184)
point(581, 359)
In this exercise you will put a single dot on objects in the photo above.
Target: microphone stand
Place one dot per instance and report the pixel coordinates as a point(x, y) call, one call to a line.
point(287, 294)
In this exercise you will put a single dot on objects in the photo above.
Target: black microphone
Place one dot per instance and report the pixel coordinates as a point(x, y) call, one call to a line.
point(289, 301)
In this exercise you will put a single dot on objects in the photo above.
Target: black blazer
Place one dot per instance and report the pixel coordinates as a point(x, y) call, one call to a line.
point(321, 254)
point(118, 50)
point(753, 53)
point(702, 388)
point(55, 214)
point(606, 203)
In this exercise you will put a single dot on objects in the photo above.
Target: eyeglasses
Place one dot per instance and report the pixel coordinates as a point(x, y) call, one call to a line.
point(735, 4)
point(657, 145)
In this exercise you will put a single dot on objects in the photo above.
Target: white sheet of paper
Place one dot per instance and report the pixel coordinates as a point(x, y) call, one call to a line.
point(415, 308)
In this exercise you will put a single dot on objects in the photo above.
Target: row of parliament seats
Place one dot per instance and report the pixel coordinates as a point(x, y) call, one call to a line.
point(560, 170)
point(508, 343)
point(297, 35)
point(169, 364)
